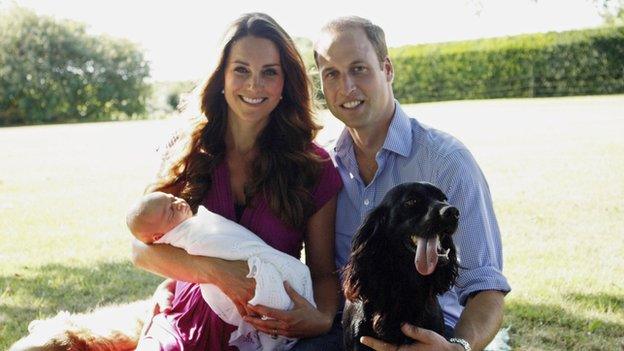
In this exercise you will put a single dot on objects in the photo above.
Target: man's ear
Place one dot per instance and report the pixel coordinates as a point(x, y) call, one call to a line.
point(388, 69)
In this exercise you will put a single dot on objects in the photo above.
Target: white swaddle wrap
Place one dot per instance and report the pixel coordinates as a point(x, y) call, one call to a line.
point(209, 234)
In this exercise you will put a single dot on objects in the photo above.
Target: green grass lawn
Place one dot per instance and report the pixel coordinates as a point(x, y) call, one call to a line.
point(555, 168)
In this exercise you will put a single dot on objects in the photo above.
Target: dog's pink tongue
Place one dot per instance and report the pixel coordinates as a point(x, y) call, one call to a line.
point(426, 256)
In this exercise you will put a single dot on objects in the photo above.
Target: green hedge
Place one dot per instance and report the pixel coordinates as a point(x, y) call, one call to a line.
point(552, 64)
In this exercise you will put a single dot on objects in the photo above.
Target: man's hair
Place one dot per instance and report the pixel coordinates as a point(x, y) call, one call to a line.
point(374, 33)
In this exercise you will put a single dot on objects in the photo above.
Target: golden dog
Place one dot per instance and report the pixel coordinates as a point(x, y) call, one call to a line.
point(110, 328)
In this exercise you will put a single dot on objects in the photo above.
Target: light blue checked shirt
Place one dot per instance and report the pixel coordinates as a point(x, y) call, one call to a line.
point(415, 152)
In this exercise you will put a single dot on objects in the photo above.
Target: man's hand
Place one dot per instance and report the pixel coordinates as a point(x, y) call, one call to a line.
point(426, 340)
point(304, 320)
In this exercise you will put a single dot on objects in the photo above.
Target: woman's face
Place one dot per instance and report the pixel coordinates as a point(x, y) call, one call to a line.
point(253, 80)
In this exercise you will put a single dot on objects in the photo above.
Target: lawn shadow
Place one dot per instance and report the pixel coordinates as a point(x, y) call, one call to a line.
point(43, 291)
point(552, 327)
point(601, 302)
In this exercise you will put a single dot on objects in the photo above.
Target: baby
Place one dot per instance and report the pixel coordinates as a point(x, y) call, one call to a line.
point(156, 214)
point(160, 218)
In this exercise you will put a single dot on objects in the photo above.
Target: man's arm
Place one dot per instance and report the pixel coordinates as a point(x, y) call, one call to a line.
point(481, 319)
point(478, 324)
point(481, 283)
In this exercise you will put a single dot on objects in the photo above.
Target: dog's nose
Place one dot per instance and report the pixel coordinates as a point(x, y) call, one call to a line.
point(449, 212)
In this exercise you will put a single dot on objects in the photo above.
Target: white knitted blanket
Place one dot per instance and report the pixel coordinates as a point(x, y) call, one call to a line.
point(209, 234)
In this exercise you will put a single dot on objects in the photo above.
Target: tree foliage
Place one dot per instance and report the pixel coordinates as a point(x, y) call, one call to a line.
point(53, 71)
point(306, 49)
point(176, 93)
point(613, 12)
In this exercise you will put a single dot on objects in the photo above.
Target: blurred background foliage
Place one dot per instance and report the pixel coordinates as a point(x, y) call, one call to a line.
point(585, 62)
point(53, 71)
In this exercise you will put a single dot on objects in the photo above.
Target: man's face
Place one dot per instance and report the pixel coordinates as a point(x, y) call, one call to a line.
point(356, 85)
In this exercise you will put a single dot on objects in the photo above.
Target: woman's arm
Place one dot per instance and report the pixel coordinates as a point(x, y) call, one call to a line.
point(320, 251)
point(304, 320)
point(175, 263)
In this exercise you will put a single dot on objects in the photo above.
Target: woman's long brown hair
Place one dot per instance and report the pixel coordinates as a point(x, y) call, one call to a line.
point(286, 168)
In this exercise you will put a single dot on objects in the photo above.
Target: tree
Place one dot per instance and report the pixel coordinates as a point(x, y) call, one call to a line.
point(52, 71)
point(306, 49)
point(613, 11)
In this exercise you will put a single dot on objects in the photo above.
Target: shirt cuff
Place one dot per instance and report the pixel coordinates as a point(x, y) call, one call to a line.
point(479, 279)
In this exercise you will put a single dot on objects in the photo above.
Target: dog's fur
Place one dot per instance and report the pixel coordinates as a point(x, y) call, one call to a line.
point(112, 328)
point(381, 284)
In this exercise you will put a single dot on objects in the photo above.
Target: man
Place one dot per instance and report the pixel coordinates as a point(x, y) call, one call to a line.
point(382, 147)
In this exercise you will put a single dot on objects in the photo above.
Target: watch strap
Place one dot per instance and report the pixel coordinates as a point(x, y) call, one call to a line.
point(461, 342)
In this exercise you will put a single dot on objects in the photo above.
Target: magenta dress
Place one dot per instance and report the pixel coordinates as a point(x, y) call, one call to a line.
point(192, 325)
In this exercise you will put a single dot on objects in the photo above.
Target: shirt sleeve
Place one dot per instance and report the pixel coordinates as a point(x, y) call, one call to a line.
point(477, 238)
point(329, 181)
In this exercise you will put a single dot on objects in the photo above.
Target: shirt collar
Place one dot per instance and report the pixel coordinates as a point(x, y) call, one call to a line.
point(344, 144)
point(398, 139)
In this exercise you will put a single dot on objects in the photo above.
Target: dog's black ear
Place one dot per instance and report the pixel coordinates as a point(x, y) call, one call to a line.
point(371, 229)
point(366, 246)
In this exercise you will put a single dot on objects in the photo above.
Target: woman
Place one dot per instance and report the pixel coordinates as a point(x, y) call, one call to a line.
point(250, 158)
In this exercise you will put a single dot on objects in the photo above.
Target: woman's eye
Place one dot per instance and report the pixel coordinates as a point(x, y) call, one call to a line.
point(241, 70)
point(270, 72)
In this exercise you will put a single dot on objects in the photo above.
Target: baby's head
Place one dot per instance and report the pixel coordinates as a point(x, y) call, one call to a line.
point(155, 214)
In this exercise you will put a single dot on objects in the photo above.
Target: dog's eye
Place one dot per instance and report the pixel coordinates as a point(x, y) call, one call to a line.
point(410, 203)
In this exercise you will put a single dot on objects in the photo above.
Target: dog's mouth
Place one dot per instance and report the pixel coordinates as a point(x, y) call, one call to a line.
point(427, 253)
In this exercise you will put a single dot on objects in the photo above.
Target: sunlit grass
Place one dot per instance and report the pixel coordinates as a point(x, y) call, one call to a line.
point(555, 168)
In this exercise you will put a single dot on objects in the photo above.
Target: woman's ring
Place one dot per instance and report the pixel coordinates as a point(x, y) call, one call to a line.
point(274, 335)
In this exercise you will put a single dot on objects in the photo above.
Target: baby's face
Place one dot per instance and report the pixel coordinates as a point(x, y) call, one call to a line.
point(171, 211)
point(165, 213)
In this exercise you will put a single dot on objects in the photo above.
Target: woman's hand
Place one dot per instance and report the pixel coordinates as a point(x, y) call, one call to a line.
point(163, 296)
point(304, 320)
point(173, 262)
point(234, 283)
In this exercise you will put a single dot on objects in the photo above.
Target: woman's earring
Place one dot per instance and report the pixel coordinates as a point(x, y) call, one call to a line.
point(222, 91)
point(280, 97)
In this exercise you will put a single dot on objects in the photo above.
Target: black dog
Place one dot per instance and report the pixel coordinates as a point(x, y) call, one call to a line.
point(403, 257)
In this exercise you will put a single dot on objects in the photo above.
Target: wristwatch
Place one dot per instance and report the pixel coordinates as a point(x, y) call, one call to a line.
point(462, 342)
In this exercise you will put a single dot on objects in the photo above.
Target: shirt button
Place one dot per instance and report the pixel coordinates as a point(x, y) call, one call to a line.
point(366, 202)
